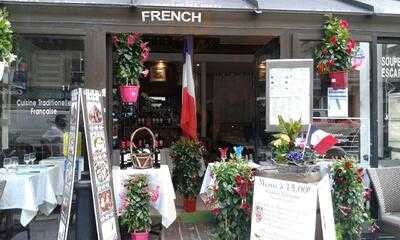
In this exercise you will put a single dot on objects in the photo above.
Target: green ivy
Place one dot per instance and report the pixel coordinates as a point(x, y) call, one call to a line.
point(136, 215)
point(187, 156)
point(349, 200)
point(232, 199)
point(5, 37)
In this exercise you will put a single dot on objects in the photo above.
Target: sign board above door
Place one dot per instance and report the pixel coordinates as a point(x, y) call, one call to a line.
point(171, 16)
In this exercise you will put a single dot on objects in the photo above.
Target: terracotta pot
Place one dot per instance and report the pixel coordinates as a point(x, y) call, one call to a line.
point(140, 236)
point(339, 79)
point(129, 94)
point(189, 204)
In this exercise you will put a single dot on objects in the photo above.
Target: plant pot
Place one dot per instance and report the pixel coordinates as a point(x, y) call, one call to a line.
point(339, 79)
point(189, 204)
point(129, 94)
point(140, 236)
point(2, 67)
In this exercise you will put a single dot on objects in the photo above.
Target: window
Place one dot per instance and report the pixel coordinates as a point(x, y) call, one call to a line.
point(35, 94)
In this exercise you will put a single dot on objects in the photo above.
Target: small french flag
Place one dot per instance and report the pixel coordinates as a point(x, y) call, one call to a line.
point(320, 140)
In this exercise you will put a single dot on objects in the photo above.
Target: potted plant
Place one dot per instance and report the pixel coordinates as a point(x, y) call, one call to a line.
point(334, 56)
point(349, 200)
point(6, 56)
point(135, 207)
point(187, 173)
point(231, 198)
point(131, 53)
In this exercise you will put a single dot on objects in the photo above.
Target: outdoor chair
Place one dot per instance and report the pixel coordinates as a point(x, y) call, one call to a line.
point(386, 183)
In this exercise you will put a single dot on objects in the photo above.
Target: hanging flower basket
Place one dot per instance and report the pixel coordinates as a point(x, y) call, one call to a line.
point(339, 79)
point(129, 93)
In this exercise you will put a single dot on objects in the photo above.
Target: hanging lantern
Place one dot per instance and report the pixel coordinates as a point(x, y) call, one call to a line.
point(358, 60)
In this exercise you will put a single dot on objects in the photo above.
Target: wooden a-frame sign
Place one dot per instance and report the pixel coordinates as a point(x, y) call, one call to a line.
point(89, 102)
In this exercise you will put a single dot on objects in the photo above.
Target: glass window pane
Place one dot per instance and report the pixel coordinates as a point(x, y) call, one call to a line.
point(35, 93)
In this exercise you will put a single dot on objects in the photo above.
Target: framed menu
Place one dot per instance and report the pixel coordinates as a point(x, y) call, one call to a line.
point(288, 91)
point(70, 165)
point(283, 210)
point(99, 165)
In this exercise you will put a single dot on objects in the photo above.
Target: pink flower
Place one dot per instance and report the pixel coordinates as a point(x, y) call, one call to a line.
point(246, 207)
point(155, 194)
point(331, 62)
point(215, 211)
point(145, 72)
point(130, 40)
point(344, 24)
point(115, 40)
point(367, 194)
point(143, 45)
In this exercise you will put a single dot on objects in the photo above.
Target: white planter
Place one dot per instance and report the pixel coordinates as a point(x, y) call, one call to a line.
point(2, 66)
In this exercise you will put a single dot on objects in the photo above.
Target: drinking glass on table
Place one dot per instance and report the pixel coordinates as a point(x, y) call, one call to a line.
point(7, 163)
point(27, 159)
point(15, 161)
point(32, 157)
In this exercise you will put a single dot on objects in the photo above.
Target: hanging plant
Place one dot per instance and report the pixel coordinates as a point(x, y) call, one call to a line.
point(334, 56)
point(131, 54)
point(6, 35)
point(349, 199)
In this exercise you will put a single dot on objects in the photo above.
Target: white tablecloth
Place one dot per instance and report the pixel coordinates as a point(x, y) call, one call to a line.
point(30, 191)
point(159, 178)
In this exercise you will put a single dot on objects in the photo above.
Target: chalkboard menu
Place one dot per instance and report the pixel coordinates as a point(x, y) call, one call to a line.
point(288, 91)
point(70, 165)
point(99, 165)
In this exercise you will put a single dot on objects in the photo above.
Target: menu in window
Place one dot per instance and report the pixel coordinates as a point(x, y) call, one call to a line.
point(99, 165)
point(288, 91)
point(70, 165)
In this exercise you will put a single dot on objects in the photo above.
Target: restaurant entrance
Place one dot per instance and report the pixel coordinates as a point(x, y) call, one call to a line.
point(229, 75)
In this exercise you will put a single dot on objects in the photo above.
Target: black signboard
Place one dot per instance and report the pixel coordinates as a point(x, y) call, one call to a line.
point(99, 165)
point(70, 165)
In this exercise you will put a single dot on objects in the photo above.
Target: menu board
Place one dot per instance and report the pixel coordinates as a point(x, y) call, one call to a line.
point(70, 165)
point(283, 210)
point(99, 165)
point(288, 91)
point(326, 209)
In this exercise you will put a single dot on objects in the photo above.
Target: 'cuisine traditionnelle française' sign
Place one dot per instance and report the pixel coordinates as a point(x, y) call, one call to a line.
point(171, 16)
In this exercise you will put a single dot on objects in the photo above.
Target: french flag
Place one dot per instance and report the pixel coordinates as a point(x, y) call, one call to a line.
point(188, 111)
point(320, 140)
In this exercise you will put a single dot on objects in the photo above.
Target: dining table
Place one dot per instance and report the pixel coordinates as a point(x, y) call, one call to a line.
point(32, 189)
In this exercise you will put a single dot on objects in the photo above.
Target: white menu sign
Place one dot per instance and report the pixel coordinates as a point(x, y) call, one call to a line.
point(283, 210)
point(326, 209)
point(288, 90)
point(338, 102)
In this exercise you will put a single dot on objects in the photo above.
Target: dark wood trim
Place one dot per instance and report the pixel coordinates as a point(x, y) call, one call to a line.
point(374, 161)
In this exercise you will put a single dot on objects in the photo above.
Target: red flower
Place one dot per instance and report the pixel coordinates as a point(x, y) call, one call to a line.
point(350, 45)
point(331, 63)
point(348, 165)
point(367, 194)
point(360, 172)
point(238, 179)
point(115, 40)
point(333, 40)
point(215, 211)
point(345, 210)
point(145, 52)
point(325, 51)
point(246, 207)
point(143, 45)
point(344, 24)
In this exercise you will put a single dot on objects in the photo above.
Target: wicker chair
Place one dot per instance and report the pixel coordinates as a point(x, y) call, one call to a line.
point(386, 183)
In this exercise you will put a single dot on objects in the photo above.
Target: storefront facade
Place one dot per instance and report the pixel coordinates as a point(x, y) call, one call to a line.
point(78, 37)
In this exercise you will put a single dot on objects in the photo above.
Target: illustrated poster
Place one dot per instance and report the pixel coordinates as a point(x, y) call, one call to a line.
point(338, 102)
point(70, 165)
point(99, 165)
point(283, 210)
